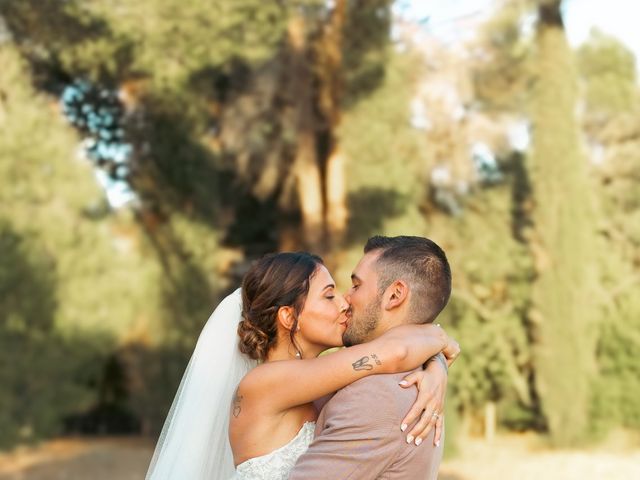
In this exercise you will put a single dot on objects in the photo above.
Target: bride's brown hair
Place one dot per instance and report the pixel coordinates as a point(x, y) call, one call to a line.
point(274, 281)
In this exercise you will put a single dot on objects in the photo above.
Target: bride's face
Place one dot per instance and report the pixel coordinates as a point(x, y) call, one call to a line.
point(324, 315)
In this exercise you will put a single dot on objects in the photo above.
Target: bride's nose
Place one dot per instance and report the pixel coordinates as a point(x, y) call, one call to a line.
point(344, 305)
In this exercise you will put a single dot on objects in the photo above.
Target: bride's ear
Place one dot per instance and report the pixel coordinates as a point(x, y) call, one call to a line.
point(285, 317)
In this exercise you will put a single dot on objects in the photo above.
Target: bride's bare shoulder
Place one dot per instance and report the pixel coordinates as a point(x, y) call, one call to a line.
point(258, 389)
point(257, 379)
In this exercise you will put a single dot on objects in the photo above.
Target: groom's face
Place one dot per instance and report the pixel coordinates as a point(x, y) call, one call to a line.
point(365, 301)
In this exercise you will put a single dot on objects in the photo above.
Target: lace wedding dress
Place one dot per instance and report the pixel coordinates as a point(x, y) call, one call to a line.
point(278, 464)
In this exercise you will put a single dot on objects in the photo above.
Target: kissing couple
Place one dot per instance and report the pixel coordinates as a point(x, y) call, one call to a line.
point(258, 401)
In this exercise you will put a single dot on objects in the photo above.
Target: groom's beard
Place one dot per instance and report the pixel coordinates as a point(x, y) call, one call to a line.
point(362, 324)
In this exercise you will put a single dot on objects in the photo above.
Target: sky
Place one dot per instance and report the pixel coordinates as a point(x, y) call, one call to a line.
point(614, 17)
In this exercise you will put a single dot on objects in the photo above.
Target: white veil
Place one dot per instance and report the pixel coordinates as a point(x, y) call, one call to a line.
point(194, 442)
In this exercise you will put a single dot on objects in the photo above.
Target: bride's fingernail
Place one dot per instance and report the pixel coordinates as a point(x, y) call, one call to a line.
point(403, 383)
point(438, 443)
point(418, 441)
point(403, 427)
point(409, 438)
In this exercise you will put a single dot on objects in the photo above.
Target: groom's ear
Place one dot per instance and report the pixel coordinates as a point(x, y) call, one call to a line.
point(285, 317)
point(396, 294)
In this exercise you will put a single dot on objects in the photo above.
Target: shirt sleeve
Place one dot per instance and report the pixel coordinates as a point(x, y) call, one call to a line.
point(360, 439)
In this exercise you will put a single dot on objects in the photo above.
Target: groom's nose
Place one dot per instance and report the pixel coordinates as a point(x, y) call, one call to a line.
point(347, 298)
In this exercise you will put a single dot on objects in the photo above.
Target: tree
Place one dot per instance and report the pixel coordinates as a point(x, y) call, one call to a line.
point(501, 61)
point(610, 119)
point(212, 112)
point(608, 71)
point(57, 317)
point(563, 239)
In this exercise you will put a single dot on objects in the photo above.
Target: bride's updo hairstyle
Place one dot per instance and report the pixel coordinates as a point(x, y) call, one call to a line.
point(276, 280)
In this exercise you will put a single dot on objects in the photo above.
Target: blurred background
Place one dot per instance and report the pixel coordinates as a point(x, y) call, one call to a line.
point(150, 150)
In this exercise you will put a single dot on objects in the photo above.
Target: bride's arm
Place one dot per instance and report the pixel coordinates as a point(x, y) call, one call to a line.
point(284, 384)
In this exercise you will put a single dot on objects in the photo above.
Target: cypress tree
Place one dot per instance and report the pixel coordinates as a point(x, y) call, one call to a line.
point(563, 240)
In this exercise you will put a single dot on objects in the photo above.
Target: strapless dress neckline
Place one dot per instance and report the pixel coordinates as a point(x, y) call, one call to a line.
point(277, 464)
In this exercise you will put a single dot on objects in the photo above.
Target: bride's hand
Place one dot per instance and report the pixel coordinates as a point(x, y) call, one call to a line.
point(451, 351)
point(429, 406)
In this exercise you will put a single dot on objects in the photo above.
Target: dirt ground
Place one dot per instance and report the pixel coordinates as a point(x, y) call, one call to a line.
point(526, 457)
point(517, 457)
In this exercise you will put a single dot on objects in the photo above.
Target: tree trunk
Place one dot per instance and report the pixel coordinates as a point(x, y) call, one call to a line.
point(331, 87)
point(306, 169)
point(490, 421)
point(336, 187)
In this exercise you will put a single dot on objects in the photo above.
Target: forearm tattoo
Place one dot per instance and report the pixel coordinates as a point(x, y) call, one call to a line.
point(237, 408)
point(363, 363)
point(376, 359)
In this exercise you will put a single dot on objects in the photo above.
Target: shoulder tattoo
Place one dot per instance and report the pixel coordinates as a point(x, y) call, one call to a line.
point(237, 404)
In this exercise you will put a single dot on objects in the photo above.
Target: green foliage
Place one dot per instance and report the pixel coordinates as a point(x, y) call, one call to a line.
point(366, 38)
point(72, 285)
point(168, 41)
point(55, 35)
point(608, 74)
point(608, 70)
point(388, 152)
point(618, 383)
point(174, 40)
point(385, 168)
point(502, 74)
point(563, 242)
point(81, 249)
point(45, 376)
point(617, 386)
point(488, 307)
point(386, 164)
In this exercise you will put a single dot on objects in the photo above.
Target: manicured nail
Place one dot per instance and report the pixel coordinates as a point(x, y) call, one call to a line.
point(418, 441)
point(403, 427)
point(403, 383)
point(438, 443)
point(409, 438)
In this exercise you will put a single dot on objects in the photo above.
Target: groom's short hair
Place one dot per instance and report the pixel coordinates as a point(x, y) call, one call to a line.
point(422, 264)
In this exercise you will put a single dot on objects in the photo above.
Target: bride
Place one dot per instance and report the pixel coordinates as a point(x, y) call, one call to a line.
point(244, 408)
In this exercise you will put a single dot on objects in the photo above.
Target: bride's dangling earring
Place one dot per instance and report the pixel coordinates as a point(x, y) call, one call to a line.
point(298, 355)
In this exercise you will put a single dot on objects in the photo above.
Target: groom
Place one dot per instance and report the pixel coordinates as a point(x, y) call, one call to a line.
point(398, 280)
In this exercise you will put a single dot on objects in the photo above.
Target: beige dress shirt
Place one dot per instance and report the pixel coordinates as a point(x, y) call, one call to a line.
point(358, 436)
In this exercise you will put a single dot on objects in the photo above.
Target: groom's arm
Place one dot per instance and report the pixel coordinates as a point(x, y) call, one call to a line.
point(361, 437)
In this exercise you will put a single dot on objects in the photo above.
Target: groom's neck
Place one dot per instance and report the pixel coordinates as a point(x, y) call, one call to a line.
point(386, 323)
